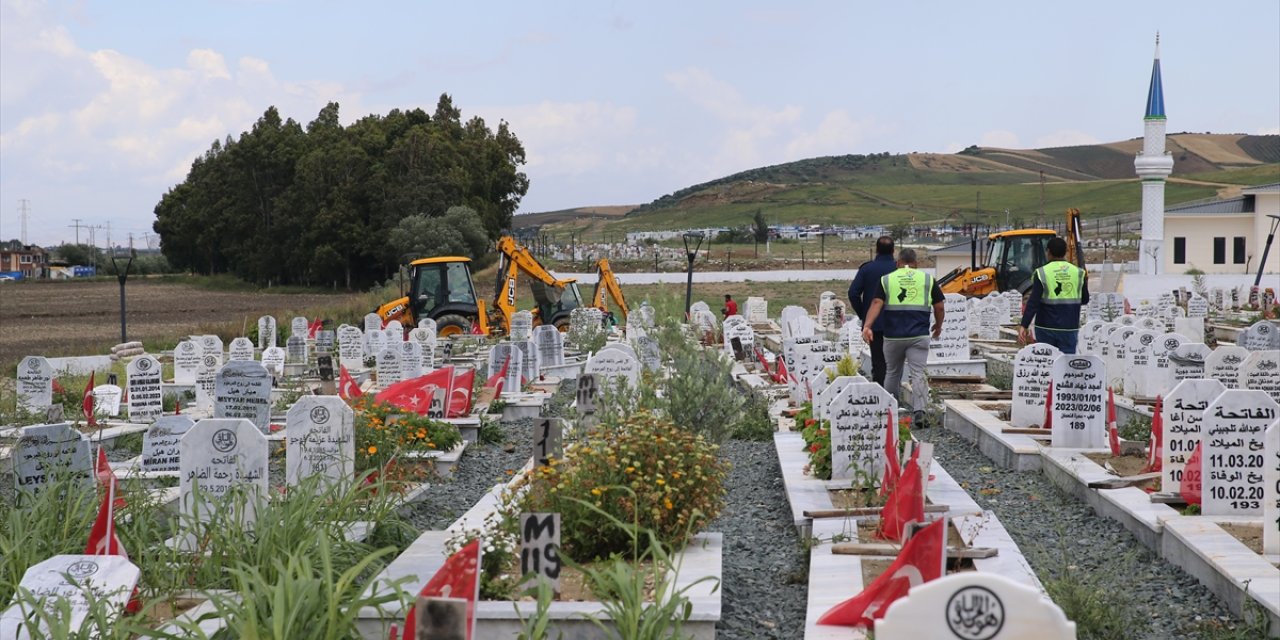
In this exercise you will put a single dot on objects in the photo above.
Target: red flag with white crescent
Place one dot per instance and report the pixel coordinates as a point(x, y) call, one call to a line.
point(922, 559)
point(347, 387)
point(86, 403)
point(458, 578)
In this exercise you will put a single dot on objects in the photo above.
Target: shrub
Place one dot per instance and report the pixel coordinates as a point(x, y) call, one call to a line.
point(383, 431)
point(754, 422)
point(675, 482)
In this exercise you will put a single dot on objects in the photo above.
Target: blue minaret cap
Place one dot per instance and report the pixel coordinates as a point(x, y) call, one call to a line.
point(1155, 95)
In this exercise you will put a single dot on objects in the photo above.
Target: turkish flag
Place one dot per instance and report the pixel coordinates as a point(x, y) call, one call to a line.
point(892, 468)
point(314, 328)
point(414, 394)
point(460, 394)
point(922, 559)
point(905, 503)
point(347, 387)
point(1191, 478)
point(782, 375)
point(1155, 448)
point(86, 403)
point(1113, 430)
point(458, 578)
point(107, 477)
point(1048, 407)
point(103, 540)
point(764, 364)
point(495, 381)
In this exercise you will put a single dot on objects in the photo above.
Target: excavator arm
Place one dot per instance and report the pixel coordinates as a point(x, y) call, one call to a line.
point(1075, 248)
point(516, 259)
point(606, 282)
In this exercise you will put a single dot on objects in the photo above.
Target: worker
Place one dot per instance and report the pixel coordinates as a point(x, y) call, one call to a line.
point(730, 307)
point(904, 297)
point(1058, 289)
point(863, 290)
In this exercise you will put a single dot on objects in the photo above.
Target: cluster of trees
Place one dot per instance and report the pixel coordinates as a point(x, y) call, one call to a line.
point(146, 263)
point(328, 204)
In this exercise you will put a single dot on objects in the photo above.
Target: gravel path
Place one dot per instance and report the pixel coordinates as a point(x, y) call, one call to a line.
point(1059, 534)
point(765, 569)
point(481, 467)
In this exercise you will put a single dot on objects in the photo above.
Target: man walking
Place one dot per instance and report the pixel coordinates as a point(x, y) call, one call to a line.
point(904, 298)
point(863, 290)
point(1058, 289)
point(730, 307)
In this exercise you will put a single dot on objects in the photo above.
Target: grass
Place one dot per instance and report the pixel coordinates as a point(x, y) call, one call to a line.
point(1261, 174)
point(668, 299)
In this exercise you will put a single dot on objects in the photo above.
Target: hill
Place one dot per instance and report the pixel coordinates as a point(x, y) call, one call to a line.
point(539, 219)
point(978, 183)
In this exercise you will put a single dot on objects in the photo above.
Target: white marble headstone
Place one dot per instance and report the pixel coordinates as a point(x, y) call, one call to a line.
point(1181, 414)
point(321, 440)
point(186, 362)
point(44, 452)
point(550, 344)
point(1233, 425)
point(351, 347)
point(1032, 371)
point(610, 364)
point(1187, 360)
point(389, 370)
point(35, 384)
point(243, 390)
point(974, 606)
point(410, 359)
point(1261, 371)
point(1079, 402)
point(509, 356)
point(218, 455)
point(146, 398)
point(212, 346)
point(859, 415)
point(273, 359)
point(953, 344)
point(372, 322)
point(67, 580)
point(1271, 490)
point(240, 349)
point(106, 399)
point(160, 443)
point(1224, 363)
point(206, 382)
point(298, 326)
point(1140, 374)
point(266, 332)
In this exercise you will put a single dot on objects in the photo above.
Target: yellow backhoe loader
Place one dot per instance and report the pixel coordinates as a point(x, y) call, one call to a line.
point(1010, 259)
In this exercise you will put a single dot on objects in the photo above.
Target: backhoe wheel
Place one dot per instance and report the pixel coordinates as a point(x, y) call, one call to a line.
point(452, 325)
point(562, 325)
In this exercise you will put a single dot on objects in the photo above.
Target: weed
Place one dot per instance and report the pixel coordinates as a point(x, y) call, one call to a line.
point(1137, 428)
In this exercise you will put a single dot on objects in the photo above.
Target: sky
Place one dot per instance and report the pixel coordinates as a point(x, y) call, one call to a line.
point(103, 105)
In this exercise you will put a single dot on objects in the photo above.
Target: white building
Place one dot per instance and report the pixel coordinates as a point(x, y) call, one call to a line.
point(1223, 236)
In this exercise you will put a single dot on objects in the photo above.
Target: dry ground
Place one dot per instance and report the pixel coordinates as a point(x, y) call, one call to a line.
point(82, 317)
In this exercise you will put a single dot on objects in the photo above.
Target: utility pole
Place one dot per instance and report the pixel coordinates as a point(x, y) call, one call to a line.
point(77, 226)
point(24, 207)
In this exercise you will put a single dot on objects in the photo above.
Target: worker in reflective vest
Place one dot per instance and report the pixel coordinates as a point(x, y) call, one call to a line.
point(906, 298)
point(1058, 290)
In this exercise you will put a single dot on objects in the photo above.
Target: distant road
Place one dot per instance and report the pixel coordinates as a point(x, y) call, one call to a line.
point(791, 275)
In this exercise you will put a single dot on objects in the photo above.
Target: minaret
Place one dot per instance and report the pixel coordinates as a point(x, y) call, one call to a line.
point(1153, 165)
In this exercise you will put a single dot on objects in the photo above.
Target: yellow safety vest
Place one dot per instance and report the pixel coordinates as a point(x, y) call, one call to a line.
point(907, 289)
point(1062, 282)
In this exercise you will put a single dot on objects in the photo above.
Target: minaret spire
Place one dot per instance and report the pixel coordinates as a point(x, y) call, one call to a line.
point(1153, 165)
point(1155, 94)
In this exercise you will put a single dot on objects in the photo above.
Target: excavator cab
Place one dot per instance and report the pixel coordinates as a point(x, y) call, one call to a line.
point(1016, 255)
point(440, 289)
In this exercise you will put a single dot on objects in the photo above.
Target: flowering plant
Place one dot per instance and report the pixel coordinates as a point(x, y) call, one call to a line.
point(499, 546)
point(384, 431)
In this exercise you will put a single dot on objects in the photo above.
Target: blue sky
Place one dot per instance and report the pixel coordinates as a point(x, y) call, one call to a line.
point(103, 105)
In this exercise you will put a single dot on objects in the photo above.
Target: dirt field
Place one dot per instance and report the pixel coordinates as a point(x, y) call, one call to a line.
point(83, 318)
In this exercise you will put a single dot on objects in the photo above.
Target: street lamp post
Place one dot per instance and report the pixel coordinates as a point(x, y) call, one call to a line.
point(694, 237)
point(122, 276)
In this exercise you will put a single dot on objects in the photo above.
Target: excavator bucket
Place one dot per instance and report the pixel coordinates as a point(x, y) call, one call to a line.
point(544, 294)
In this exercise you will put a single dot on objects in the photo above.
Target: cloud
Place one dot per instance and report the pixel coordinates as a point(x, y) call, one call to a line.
point(1065, 138)
point(1269, 131)
point(568, 138)
point(999, 138)
point(837, 133)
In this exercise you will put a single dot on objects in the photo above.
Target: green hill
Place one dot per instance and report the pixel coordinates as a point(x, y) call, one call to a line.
point(978, 183)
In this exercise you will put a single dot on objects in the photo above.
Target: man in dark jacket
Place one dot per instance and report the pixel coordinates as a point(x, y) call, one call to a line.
point(863, 290)
point(1058, 290)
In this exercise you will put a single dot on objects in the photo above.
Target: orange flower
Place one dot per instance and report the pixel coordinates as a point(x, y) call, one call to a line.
point(372, 449)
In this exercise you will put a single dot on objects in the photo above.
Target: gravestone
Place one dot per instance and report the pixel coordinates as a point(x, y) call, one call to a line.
point(350, 347)
point(954, 341)
point(529, 363)
point(241, 349)
point(610, 364)
point(854, 341)
point(757, 310)
point(243, 390)
point(212, 346)
point(63, 584)
point(548, 442)
point(827, 311)
point(142, 378)
point(45, 452)
point(1261, 371)
point(974, 606)
point(388, 367)
point(742, 333)
point(1032, 371)
point(1188, 359)
point(186, 362)
point(1260, 336)
point(990, 314)
point(1088, 338)
point(394, 331)
point(858, 416)
point(266, 332)
point(106, 399)
point(298, 326)
point(1193, 328)
point(1182, 415)
point(1079, 402)
point(429, 325)
point(792, 320)
point(435, 407)
point(325, 340)
point(1164, 346)
point(273, 359)
point(706, 323)
point(508, 356)
point(1109, 306)
point(1140, 374)
point(35, 384)
point(540, 548)
point(206, 382)
point(1233, 461)
point(699, 306)
point(550, 344)
point(372, 322)
point(1223, 365)
point(410, 360)
point(1271, 490)
point(822, 399)
point(1013, 301)
point(1197, 306)
point(374, 342)
point(160, 443)
point(650, 354)
point(621, 346)
point(219, 455)
point(426, 340)
point(648, 315)
point(588, 391)
point(521, 326)
point(321, 440)
point(1171, 316)
point(1117, 360)
point(296, 351)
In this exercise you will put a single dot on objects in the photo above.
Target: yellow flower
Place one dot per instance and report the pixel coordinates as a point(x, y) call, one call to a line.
point(661, 482)
point(372, 449)
point(667, 503)
point(596, 491)
point(631, 469)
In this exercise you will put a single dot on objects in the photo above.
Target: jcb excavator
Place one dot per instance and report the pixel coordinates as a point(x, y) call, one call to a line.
point(441, 288)
point(1010, 259)
point(606, 282)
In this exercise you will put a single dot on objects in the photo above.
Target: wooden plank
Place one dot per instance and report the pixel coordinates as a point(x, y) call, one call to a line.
point(887, 549)
point(1168, 498)
point(1124, 481)
point(865, 511)
point(1027, 431)
point(965, 379)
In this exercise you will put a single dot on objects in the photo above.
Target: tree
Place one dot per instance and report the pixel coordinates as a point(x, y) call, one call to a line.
point(760, 227)
point(459, 232)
